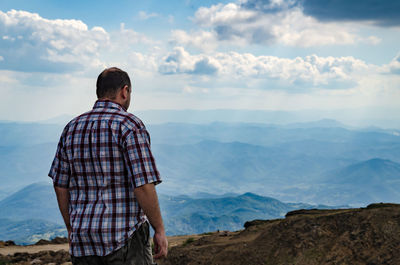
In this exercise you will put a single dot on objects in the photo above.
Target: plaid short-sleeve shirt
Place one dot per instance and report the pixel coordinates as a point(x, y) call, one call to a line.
point(101, 157)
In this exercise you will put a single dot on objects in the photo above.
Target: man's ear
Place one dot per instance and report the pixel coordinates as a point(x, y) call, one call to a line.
point(125, 91)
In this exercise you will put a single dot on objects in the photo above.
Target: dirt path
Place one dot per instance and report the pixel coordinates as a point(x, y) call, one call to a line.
point(10, 250)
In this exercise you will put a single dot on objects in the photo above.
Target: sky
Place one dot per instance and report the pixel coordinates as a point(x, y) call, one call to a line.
point(291, 55)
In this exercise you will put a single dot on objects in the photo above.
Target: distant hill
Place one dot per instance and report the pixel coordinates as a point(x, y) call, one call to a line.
point(373, 171)
point(206, 195)
point(36, 201)
point(28, 134)
point(182, 214)
point(29, 231)
point(284, 171)
point(269, 134)
point(281, 161)
point(222, 167)
point(352, 116)
point(349, 236)
point(324, 123)
point(374, 180)
point(23, 165)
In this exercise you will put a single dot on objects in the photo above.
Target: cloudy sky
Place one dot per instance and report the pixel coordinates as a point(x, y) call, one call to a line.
point(200, 54)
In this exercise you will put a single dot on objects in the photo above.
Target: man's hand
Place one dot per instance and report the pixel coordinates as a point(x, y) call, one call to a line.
point(148, 200)
point(160, 245)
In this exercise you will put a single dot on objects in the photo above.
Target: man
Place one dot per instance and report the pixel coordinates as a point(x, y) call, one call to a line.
point(104, 177)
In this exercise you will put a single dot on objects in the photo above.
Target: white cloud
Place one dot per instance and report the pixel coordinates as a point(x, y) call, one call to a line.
point(373, 40)
point(394, 65)
point(309, 71)
point(237, 24)
point(180, 61)
point(31, 43)
point(144, 15)
point(8, 79)
point(48, 45)
point(223, 14)
point(124, 38)
point(146, 64)
point(203, 40)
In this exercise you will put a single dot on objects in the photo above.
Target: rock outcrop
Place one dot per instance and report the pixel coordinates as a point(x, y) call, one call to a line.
point(305, 237)
point(40, 258)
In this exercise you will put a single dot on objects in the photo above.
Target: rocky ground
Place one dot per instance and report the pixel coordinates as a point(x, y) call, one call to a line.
point(305, 237)
point(55, 252)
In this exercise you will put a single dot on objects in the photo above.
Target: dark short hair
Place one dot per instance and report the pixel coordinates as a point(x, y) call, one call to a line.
point(110, 80)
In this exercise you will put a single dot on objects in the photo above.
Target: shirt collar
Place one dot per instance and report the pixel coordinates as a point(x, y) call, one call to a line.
point(107, 104)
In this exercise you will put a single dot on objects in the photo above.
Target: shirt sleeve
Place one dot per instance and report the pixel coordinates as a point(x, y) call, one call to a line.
point(139, 158)
point(60, 168)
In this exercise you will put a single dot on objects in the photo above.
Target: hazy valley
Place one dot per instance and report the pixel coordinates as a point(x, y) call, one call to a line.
point(292, 166)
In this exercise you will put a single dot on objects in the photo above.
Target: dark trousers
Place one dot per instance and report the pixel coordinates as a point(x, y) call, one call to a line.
point(136, 251)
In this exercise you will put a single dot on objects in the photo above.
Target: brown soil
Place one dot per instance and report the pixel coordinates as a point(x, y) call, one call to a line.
point(350, 236)
point(55, 251)
point(35, 254)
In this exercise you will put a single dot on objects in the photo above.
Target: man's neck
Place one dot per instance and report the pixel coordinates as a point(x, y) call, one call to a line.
point(114, 100)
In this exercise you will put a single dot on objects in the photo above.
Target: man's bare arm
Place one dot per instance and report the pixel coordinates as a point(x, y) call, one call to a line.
point(63, 204)
point(148, 200)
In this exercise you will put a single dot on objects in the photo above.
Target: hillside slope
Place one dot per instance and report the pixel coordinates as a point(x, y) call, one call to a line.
point(349, 236)
point(184, 215)
point(374, 180)
point(35, 201)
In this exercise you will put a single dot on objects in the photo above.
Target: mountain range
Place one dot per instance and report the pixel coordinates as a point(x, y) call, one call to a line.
point(32, 213)
point(287, 162)
point(184, 215)
point(212, 172)
point(374, 180)
point(30, 231)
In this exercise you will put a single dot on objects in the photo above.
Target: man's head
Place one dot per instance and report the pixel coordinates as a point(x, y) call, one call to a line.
point(114, 84)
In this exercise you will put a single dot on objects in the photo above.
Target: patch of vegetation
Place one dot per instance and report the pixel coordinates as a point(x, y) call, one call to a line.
point(188, 241)
point(381, 205)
